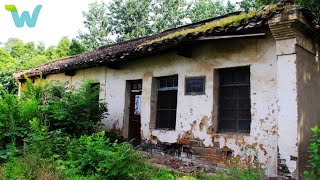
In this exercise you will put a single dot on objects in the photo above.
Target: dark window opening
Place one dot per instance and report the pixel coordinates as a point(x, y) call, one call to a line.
point(195, 85)
point(234, 100)
point(167, 102)
point(95, 91)
point(93, 94)
point(136, 86)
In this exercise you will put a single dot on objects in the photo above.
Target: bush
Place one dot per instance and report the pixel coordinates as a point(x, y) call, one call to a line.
point(313, 171)
point(31, 167)
point(51, 106)
point(13, 128)
point(95, 155)
point(78, 112)
point(44, 143)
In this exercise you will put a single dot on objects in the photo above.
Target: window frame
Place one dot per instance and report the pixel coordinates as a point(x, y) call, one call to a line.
point(195, 78)
point(166, 89)
point(235, 85)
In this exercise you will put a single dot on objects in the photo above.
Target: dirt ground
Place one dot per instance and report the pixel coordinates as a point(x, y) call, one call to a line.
point(177, 165)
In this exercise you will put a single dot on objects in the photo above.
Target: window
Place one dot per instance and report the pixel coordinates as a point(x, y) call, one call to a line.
point(94, 95)
point(195, 85)
point(234, 100)
point(167, 102)
point(95, 90)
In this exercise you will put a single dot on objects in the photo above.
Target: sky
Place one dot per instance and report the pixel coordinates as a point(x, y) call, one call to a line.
point(57, 18)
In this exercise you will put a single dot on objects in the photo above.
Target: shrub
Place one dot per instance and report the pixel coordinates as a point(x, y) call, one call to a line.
point(13, 128)
point(73, 111)
point(44, 143)
point(77, 112)
point(53, 107)
point(313, 171)
point(95, 155)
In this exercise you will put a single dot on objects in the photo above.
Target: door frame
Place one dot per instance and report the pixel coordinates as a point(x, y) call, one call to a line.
point(135, 88)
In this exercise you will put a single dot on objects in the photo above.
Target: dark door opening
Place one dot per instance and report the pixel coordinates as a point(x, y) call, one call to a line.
point(135, 112)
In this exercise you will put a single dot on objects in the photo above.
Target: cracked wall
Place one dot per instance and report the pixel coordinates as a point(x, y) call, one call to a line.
point(197, 115)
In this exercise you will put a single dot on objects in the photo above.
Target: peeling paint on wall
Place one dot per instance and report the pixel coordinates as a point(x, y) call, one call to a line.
point(197, 115)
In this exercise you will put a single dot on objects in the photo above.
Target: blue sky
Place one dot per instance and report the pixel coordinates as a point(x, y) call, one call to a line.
point(57, 18)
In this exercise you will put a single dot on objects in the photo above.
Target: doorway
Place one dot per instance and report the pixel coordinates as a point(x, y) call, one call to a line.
point(135, 111)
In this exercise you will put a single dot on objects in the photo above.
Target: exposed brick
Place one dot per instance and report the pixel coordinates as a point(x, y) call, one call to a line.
point(194, 143)
point(283, 171)
point(216, 144)
point(204, 151)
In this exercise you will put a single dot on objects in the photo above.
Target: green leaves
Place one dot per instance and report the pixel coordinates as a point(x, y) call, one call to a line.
point(313, 5)
point(96, 155)
point(205, 9)
point(314, 159)
point(16, 55)
point(126, 20)
point(63, 113)
point(315, 129)
point(97, 26)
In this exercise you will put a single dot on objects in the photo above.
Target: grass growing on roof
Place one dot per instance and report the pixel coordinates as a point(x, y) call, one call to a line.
point(230, 20)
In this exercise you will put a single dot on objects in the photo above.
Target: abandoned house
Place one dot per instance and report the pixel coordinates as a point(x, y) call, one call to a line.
point(242, 85)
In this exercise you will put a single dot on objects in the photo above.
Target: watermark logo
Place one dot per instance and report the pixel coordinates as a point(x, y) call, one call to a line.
point(25, 16)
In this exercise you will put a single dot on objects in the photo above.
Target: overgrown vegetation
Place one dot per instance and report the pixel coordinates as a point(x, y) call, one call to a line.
point(53, 107)
point(313, 168)
point(49, 133)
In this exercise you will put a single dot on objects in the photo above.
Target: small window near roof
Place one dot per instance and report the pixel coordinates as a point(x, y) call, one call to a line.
point(195, 85)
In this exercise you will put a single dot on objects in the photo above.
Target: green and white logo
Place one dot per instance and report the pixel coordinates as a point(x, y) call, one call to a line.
point(25, 16)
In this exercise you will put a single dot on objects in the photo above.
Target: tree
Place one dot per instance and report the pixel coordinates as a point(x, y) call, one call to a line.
point(313, 5)
point(63, 48)
point(76, 47)
point(15, 55)
point(204, 9)
point(7, 66)
point(97, 26)
point(129, 19)
point(248, 5)
point(36, 61)
point(41, 48)
point(16, 48)
point(51, 53)
point(169, 14)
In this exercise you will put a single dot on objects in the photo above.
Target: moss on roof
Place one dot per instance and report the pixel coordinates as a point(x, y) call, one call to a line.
point(230, 20)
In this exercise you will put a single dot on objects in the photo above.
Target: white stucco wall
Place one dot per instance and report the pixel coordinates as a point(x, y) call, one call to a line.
point(298, 85)
point(288, 110)
point(197, 115)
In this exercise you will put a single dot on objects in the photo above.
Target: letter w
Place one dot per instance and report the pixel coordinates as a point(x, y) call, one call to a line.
point(25, 16)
